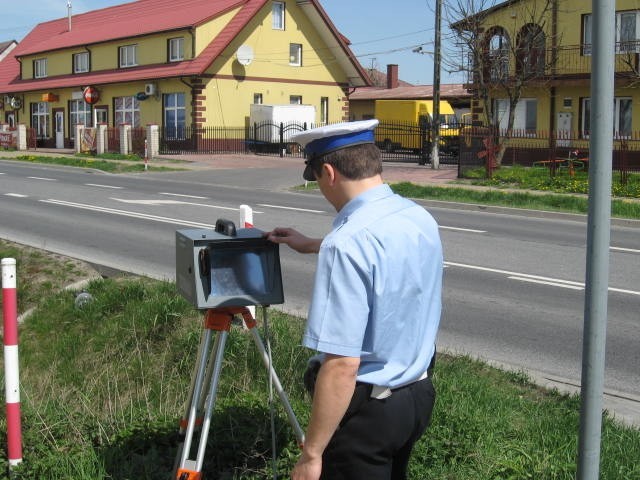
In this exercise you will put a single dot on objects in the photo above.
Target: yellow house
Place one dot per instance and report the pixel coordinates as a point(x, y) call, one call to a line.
point(178, 64)
point(546, 48)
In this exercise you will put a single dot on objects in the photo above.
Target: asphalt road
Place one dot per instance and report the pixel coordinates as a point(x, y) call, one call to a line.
point(513, 296)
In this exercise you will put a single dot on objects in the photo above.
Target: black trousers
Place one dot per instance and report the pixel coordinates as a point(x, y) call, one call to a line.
point(375, 437)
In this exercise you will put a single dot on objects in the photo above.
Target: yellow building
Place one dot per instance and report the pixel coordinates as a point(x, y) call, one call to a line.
point(178, 64)
point(546, 48)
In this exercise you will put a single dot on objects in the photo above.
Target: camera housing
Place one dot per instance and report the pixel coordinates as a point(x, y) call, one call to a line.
point(226, 267)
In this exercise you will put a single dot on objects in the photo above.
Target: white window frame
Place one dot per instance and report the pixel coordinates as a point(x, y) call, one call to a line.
point(79, 114)
point(126, 111)
point(619, 131)
point(623, 45)
point(176, 49)
point(324, 110)
point(81, 62)
point(174, 123)
point(295, 54)
point(40, 119)
point(257, 98)
point(277, 15)
point(295, 99)
point(523, 124)
point(127, 55)
point(40, 68)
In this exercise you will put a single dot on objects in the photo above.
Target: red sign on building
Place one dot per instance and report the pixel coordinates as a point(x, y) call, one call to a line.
point(91, 95)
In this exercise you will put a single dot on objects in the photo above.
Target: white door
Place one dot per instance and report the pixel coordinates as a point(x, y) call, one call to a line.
point(564, 129)
point(59, 129)
point(101, 115)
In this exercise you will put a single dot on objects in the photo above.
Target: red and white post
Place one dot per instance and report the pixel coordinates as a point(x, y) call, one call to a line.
point(246, 216)
point(11, 374)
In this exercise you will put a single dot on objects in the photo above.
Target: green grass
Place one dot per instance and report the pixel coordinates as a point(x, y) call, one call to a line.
point(108, 163)
point(103, 387)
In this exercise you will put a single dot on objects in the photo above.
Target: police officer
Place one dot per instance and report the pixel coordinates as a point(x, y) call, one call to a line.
point(374, 313)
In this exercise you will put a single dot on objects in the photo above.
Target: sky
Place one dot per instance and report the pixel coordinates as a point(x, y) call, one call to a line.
point(381, 32)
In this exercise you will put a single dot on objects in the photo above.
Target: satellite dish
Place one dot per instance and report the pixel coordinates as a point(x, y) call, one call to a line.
point(244, 55)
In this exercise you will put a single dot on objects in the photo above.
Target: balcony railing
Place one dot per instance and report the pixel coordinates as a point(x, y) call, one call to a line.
point(564, 61)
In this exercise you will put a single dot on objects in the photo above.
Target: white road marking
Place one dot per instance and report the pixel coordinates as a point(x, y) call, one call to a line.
point(470, 230)
point(126, 213)
point(17, 195)
point(176, 202)
point(622, 249)
point(183, 196)
point(43, 178)
point(281, 207)
point(535, 278)
point(102, 186)
point(544, 282)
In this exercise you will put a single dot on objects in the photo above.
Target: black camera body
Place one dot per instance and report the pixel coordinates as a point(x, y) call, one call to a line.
point(226, 267)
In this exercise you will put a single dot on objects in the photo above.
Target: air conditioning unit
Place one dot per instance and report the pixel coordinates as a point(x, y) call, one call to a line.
point(150, 89)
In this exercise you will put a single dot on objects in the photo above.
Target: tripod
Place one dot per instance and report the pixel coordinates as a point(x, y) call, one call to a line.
point(204, 384)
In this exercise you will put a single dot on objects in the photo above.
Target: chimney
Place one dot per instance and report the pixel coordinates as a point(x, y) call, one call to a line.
point(392, 76)
point(69, 12)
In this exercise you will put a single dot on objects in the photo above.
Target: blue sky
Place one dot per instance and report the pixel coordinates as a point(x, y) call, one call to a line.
point(381, 31)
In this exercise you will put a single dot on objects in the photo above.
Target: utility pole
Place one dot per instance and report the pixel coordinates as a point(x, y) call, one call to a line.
point(435, 124)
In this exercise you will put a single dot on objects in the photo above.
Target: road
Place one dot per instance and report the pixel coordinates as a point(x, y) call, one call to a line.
point(513, 295)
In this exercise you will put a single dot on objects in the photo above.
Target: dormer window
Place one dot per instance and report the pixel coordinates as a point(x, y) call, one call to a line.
point(277, 15)
point(128, 56)
point(176, 49)
point(40, 68)
point(81, 62)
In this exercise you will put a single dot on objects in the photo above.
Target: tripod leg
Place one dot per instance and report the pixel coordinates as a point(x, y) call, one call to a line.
point(278, 386)
point(221, 341)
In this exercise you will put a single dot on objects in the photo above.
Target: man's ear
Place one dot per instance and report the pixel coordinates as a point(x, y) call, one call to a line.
point(330, 171)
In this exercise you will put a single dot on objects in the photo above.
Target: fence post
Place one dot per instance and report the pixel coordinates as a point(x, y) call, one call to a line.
point(101, 138)
point(11, 375)
point(281, 140)
point(125, 139)
point(21, 137)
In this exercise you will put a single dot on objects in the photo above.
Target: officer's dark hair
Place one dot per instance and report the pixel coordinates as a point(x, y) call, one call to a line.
point(355, 163)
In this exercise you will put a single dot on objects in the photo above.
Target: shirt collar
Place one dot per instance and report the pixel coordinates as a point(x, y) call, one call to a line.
point(376, 193)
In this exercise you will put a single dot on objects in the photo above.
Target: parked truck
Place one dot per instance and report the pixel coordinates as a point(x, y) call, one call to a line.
point(406, 124)
point(266, 121)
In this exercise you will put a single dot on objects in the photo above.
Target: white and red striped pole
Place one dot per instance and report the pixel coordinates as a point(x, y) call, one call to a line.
point(11, 374)
point(246, 216)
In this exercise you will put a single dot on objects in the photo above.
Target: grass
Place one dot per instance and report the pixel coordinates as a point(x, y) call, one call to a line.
point(103, 387)
point(111, 163)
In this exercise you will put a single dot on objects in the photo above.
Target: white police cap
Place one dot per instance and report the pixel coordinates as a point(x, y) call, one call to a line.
point(320, 141)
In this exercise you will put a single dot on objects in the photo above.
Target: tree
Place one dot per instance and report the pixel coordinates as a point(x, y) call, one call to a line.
point(504, 48)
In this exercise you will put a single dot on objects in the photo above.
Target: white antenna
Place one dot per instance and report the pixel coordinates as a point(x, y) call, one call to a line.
point(69, 12)
point(244, 55)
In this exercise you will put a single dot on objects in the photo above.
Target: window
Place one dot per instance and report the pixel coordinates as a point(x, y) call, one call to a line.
point(174, 115)
point(176, 49)
point(40, 119)
point(40, 68)
point(127, 110)
point(81, 62)
point(622, 110)
point(257, 98)
point(295, 54)
point(324, 110)
point(277, 15)
point(127, 56)
point(498, 59)
point(295, 99)
point(79, 114)
point(627, 28)
point(525, 117)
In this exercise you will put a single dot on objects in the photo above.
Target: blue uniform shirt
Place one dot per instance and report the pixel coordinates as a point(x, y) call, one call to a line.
point(378, 287)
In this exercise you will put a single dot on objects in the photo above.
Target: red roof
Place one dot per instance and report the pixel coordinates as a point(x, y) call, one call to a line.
point(125, 21)
point(416, 92)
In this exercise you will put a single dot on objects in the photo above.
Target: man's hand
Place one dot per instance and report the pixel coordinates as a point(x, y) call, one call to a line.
point(297, 241)
point(307, 468)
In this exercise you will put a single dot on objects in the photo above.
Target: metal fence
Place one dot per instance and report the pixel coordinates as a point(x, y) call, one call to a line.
point(398, 141)
point(479, 147)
